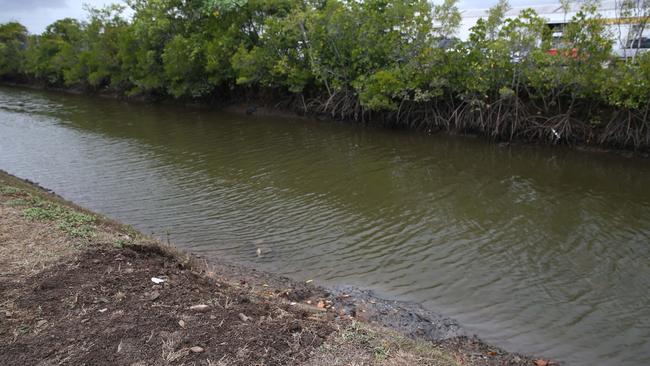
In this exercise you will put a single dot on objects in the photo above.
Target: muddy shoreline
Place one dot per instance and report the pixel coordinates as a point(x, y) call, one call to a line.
point(336, 305)
point(406, 318)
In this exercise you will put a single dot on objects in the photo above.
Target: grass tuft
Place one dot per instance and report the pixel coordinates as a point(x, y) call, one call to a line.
point(73, 223)
point(11, 191)
point(17, 202)
point(368, 345)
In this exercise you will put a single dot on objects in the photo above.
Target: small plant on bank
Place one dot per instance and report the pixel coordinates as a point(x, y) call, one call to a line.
point(358, 334)
point(10, 191)
point(120, 243)
point(381, 352)
point(75, 224)
point(18, 197)
point(17, 202)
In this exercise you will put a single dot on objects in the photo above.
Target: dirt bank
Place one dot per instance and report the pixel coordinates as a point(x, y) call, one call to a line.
point(77, 288)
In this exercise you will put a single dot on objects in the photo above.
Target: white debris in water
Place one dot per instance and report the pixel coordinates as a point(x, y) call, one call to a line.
point(555, 133)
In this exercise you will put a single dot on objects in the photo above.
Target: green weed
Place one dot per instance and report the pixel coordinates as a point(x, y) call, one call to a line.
point(41, 213)
point(10, 191)
point(73, 223)
point(16, 202)
point(120, 243)
point(381, 352)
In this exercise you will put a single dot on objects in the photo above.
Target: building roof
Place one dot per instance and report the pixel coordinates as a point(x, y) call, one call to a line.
point(541, 9)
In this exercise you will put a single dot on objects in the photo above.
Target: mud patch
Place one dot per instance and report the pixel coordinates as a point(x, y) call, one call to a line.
point(103, 309)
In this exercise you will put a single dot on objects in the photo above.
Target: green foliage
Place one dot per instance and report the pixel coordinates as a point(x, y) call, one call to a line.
point(183, 60)
point(447, 16)
point(13, 41)
point(380, 90)
point(222, 6)
point(628, 86)
point(396, 60)
point(54, 56)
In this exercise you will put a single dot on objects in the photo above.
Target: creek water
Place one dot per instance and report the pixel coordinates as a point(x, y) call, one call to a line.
point(542, 250)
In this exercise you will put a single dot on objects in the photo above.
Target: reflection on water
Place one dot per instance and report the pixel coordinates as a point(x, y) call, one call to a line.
point(539, 250)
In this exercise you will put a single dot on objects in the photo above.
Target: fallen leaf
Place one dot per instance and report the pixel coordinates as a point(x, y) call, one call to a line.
point(541, 362)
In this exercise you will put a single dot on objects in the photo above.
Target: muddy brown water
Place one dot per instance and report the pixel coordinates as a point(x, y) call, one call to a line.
point(537, 250)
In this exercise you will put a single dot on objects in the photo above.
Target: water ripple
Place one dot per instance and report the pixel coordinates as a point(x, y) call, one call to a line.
point(537, 250)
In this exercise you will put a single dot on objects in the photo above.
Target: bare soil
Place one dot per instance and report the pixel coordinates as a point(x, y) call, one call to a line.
point(101, 308)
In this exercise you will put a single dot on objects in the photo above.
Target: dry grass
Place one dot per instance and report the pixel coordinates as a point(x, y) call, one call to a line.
point(21, 244)
point(170, 342)
point(361, 344)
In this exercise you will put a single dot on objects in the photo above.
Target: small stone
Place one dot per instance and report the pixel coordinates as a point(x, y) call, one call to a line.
point(154, 295)
point(201, 308)
point(196, 349)
point(41, 323)
point(181, 323)
point(244, 318)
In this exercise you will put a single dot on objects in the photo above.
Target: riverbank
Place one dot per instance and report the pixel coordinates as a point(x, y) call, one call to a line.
point(77, 288)
point(370, 70)
point(257, 107)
